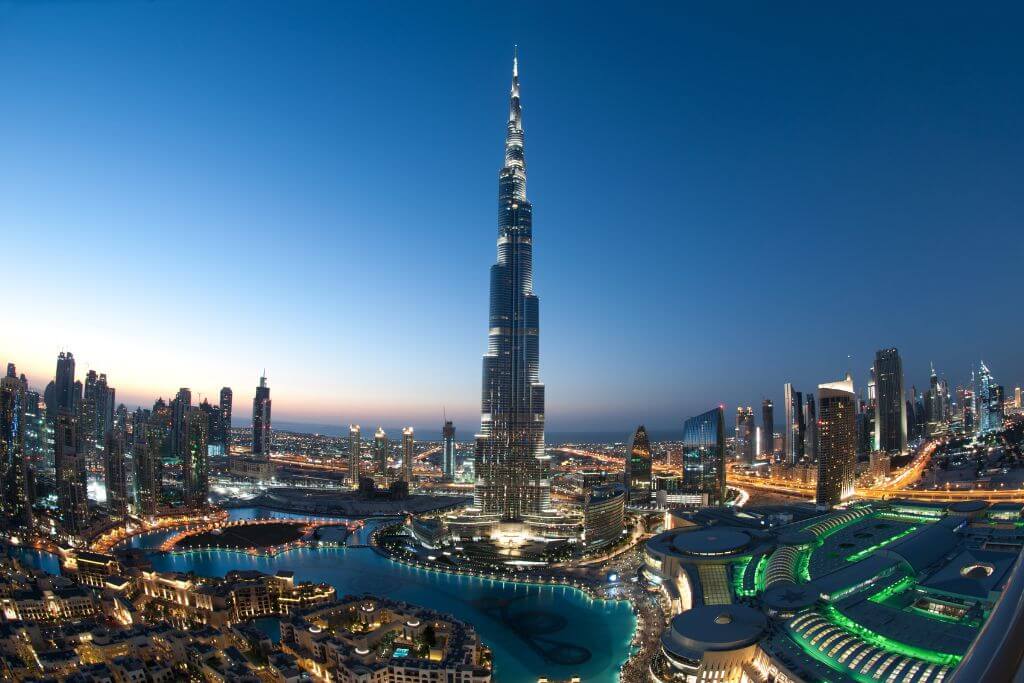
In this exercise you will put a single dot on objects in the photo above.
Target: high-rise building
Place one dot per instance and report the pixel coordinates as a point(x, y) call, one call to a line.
point(151, 442)
point(380, 451)
point(214, 429)
point(512, 470)
point(88, 422)
point(115, 471)
point(891, 415)
point(810, 429)
point(408, 455)
point(990, 402)
point(38, 437)
point(448, 463)
point(793, 434)
point(967, 412)
point(637, 478)
point(64, 384)
point(745, 434)
point(935, 405)
point(768, 428)
point(837, 455)
point(226, 397)
point(16, 501)
point(1017, 398)
point(69, 462)
point(180, 406)
point(76, 399)
point(704, 456)
point(196, 464)
point(354, 455)
point(261, 435)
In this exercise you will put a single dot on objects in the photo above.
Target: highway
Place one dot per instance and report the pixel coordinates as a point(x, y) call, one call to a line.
point(897, 487)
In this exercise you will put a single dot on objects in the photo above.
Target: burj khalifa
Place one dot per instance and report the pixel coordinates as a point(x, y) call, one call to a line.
point(512, 471)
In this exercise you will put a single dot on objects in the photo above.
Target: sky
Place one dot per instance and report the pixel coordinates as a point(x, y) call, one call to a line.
point(727, 196)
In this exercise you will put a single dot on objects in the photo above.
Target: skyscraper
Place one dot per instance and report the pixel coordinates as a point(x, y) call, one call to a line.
point(261, 436)
point(891, 412)
point(88, 423)
point(935, 405)
point(990, 402)
point(16, 501)
point(810, 429)
point(115, 471)
point(448, 464)
point(64, 384)
point(180, 406)
point(704, 455)
point(214, 430)
point(226, 397)
point(637, 478)
point(195, 465)
point(380, 451)
point(354, 456)
point(150, 440)
point(793, 434)
point(512, 470)
point(768, 428)
point(69, 462)
point(745, 434)
point(837, 456)
point(407, 455)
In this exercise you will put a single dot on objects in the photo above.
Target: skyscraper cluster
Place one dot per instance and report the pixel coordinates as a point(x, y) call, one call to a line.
point(82, 430)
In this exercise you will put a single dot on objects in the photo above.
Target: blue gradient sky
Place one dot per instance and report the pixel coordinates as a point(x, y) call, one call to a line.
point(725, 198)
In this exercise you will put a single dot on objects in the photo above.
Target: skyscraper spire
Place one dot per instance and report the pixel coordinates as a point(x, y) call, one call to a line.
point(512, 469)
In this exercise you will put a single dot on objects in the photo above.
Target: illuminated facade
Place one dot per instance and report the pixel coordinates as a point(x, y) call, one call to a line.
point(990, 402)
point(115, 473)
point(72, 501)
point(354, 456)
point(226, 399)
point(704, 456)
point(196, 464)
point(793, 433)
point(150, 441)
point(837, 457)
point(16, 503)
point(380, 451)
point(512, 470)
point(745, 434)
point(638, 468)
point(408, 454)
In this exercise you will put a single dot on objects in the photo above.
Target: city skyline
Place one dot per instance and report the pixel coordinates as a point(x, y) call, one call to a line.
point(219, 238)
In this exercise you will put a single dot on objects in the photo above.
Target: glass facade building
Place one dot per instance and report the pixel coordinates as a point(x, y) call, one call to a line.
point(990, 402)
point(891, 415)
point(704, 455)
point(793, 434)
point(512, 470)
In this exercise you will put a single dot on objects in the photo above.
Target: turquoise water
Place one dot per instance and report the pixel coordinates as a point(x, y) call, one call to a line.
point(533, 631)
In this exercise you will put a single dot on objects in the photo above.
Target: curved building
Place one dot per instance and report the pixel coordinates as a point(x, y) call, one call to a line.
point(887, 592)
point(638, 468)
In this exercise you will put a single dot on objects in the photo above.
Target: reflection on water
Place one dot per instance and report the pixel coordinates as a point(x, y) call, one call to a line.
point(533, 631)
